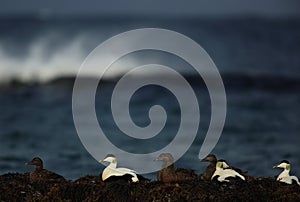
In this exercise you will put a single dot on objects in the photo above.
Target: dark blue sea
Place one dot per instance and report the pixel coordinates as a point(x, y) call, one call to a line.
point(258, 59)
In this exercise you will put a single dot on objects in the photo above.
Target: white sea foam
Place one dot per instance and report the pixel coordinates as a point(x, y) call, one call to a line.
point(41, 64)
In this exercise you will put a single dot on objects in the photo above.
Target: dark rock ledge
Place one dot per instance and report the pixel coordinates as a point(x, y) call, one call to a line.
point(16, 187)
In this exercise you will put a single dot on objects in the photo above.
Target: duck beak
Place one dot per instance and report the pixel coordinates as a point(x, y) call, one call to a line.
point(203, 160)
point(276, 166)
point(159, 158)
point(28, 163)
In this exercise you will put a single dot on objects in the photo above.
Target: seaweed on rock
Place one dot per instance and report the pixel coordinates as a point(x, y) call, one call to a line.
point(17, 187)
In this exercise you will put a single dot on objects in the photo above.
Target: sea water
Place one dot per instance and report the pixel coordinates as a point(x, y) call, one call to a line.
point(258, 60)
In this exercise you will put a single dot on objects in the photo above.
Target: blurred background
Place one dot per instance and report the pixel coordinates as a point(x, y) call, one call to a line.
point(254, 44)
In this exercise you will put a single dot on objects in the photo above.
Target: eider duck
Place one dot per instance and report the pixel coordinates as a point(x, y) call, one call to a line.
point(40, 174)
point(112, 173)
point(223, 171)
point(284, 176)
point(211, 168)
point(169, 173)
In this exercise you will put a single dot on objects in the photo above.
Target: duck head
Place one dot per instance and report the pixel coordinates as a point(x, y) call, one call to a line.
point(222, 164)
point(210, 158)
point(36, 161)
point(166, 158)
point(283, 164)
point(110, 158)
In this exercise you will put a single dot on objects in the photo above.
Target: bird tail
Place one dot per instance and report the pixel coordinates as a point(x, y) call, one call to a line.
point(296, 179)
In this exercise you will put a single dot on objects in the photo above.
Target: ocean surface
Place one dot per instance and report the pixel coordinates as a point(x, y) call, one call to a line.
point(258, 59)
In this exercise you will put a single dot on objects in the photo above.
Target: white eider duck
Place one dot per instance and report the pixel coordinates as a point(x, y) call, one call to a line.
point(169, 173)
point(223, 171)
point(41, 175)
point(111, 172)
point(284, 176)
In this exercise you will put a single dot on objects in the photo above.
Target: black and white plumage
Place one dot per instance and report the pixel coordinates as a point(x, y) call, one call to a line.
point(211, 168)
point(285, 176)
point(111, 172)
point(223, 172)
point(41, 175)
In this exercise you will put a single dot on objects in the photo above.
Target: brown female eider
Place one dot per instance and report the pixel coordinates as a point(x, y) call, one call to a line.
point(211, 168)
point(41, 175)
point(169, 173)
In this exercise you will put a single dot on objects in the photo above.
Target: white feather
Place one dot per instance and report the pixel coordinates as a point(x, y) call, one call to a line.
point(285, 177)
point(225, 173)
point(112, 170)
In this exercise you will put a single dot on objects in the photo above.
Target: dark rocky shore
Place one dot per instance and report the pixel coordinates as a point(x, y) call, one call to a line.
point(16, 187)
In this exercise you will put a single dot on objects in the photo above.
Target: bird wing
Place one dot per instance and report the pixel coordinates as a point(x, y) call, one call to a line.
point(184, 174)
point(222, 178)
point(296, 179)
point(285, 179)
point(216, 173)
point(124, 171)
point(184, 171)
point(231, 173)
point(222, 175)
point(108, 172)
point(239, 170)
point(51, 175)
